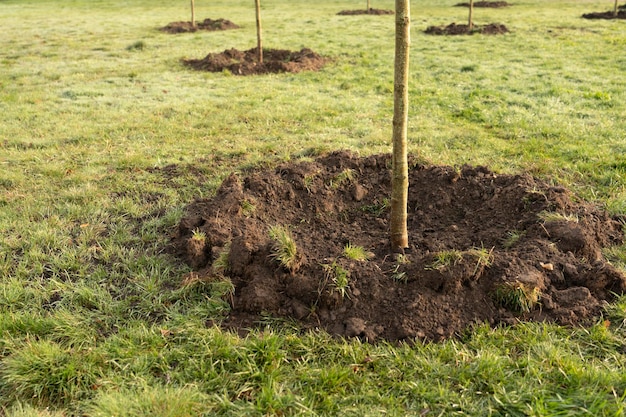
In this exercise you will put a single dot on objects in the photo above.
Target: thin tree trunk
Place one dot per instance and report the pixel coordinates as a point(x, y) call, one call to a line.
point(368, 5)
point(259, 42)
point(400, 168)
point(193, 14)
point(470, 21)
point(615, 9)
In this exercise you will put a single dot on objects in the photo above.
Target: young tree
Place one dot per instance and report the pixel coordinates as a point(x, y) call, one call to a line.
point(259, 41)
point(193, 14)
point(400, 168)
point(368, 5)
point(615, 9)
point(470, 21)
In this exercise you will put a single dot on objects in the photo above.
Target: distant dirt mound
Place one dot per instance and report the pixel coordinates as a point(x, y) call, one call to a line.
point(485, 248)
point(492, 4)
point(454, 29)
point(365, 11)
point(621, 14)
point(246, 63)
point(206, 24)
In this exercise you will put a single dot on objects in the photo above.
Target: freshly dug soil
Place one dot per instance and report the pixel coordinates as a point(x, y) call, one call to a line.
point(492, 4)
point(454, 29)
point(621, 14)
point(365, 11)
point(478, 242)
point(206, 24)
point(245, 62)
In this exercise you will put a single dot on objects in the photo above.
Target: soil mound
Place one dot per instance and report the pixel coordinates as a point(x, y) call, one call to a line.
point(492, 4)
point(454, 29)
point(485, 248)
point(365, 11)
point(621, 14)
point(206, 24)
point(245, 62)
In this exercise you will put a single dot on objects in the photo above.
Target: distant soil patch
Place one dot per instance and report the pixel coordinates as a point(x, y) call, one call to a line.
point(492, 4)
point(454, 29)
point(206, 24)
point(246, 63)
point(484, 248)
point(365, 11)
point(621, 14)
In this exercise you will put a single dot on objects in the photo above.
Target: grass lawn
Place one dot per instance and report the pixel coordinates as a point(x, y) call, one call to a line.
point(105, 137)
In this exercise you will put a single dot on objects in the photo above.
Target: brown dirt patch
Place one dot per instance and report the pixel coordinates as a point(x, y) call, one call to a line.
point(206, 24)
point(341, 199)
point(454, 29)
point(365, 11)
point(245, 62)
point(491, 4)
point(621, 14)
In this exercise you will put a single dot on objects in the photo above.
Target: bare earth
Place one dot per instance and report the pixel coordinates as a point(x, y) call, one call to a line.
point(206, 24)
point(246, 62)
point(489, 4)
point(365, 11)
point(341, 199)
point(454, 29)
point(621, 14)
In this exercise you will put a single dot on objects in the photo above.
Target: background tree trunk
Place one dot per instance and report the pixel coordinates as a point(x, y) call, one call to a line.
point(193, 14)
point(400, 169)
point(470, 20)
point(615, 9)
point(368, 5)
point(259, 41)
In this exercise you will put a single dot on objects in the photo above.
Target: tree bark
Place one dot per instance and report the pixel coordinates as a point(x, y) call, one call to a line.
point(368, 5)
point(193, 14)
point(400, 169)
point(259, 41)
point(470, 20)
point(615, 9)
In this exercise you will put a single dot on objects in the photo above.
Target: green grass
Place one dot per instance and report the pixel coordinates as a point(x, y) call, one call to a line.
point(285, 250)
point(517, 296)
point(338, 278)
point(512, 238)
point(105, 137)
point(356, 253)
point(548, 217)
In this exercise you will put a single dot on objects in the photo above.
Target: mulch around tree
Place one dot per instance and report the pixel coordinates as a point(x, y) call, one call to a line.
point(206, 24)
point(365, 11)
point(479, 242)
point(246, 62)
point(491, 4)
point(454, 29)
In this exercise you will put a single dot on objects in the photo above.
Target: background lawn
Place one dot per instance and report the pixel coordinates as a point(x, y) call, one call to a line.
point(105, 137)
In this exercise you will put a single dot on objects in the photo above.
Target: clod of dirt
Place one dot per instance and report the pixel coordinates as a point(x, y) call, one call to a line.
point(454, 29)
point(621, 14)
point(491, 4)
point(206, 24)
point(485, 248)
point(246, 62)
point(365, 11)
